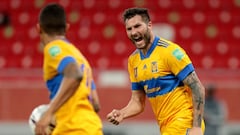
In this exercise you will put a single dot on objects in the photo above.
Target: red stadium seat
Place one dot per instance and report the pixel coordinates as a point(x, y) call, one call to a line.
point(201, 24)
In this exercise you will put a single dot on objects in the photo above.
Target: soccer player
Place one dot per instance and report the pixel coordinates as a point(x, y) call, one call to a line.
point(161, 71)
point(68, 77)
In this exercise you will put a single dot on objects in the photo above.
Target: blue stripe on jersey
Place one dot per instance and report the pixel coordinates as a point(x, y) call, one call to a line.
point(162, 85)
point(154, 44)
point(137, 86)
point(64, 62)
point(54, 84)
point(82, 68)
point(185, 72)
point(93, 86)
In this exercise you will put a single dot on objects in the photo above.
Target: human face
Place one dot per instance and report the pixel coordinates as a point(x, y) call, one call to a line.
point(138, 32)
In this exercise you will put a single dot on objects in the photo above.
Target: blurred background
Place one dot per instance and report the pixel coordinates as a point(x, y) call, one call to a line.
point(209, 30)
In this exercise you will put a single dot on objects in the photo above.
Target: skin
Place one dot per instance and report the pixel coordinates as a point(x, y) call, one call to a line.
point(137, 28)
point(95, 101)
point(71, 80)
point(198, 95)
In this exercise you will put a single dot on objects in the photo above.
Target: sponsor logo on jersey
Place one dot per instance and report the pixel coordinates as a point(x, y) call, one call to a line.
point(178, 54)
point(54, 51)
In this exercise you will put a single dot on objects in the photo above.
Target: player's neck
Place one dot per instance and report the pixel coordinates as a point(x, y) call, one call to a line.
point(144, 51)
point(55, 37)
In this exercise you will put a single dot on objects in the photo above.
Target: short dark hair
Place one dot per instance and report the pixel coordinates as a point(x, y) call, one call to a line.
point(52, 19)
point(131, 12)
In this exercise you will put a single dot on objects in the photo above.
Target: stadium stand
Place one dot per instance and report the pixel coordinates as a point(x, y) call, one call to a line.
point(211, 25)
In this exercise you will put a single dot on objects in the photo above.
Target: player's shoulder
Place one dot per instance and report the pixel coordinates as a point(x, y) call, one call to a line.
point(162, 42)
point(56, 47)
point(53, 44)
point(134, 53)
point(169, 45)
point(59, 45)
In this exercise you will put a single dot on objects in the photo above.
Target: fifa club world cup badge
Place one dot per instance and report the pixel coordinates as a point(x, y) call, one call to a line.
point(154, 67)
point(135, 72)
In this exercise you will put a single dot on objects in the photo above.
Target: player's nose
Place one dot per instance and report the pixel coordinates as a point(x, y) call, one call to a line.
point(133, 32)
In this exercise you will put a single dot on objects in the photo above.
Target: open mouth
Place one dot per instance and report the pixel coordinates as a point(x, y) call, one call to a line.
point(138, 39)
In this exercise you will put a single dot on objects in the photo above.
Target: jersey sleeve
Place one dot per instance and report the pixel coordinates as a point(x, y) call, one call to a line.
point(179, 62)
point(58, 58)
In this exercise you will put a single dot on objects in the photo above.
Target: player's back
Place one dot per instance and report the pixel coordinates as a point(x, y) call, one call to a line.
point(76, 115)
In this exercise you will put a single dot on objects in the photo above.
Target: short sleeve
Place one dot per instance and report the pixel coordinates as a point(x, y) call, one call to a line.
point(57, 59)
point(179, 62)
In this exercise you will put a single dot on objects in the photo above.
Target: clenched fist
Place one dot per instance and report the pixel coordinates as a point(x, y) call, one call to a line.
point(115, 117)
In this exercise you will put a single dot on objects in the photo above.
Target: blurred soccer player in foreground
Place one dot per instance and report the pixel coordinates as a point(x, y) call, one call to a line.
point(68, 77)
point(162, 71)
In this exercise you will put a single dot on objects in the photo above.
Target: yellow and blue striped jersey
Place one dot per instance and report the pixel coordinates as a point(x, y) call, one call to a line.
point(57, 55)
point(160, 74)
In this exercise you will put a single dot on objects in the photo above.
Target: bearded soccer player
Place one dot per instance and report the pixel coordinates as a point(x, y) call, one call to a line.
point(68, 77)
point(161, 71)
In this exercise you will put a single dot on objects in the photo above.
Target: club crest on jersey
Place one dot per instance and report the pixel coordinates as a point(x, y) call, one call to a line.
point(135, 72)
point(54, 50)
point(154, 67)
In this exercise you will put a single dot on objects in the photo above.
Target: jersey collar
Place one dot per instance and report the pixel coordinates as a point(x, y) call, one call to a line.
point(149, 52)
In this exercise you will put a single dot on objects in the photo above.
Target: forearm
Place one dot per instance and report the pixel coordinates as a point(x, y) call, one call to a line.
point(66, 90)
point(198, 105)
point(95, 101)
point(134, 107)
point(198, 98)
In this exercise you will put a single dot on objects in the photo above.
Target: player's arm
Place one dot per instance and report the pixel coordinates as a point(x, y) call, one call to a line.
point(135, 106)
point(72, 77)
point(198, 97)
point(95, 100)
point(70, 82)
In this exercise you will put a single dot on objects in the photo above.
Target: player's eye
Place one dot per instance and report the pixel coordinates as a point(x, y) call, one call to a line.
point(138, 25)
point(128, 29)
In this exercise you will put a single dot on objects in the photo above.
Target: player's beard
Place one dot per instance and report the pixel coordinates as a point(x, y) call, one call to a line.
point(146, 37)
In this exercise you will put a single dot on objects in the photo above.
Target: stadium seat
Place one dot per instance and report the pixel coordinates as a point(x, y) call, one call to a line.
point(98, 31)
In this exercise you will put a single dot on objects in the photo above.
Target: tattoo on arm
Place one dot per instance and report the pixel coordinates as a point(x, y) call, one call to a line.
point(199, 101)
point(72, 71)
point(198, 97)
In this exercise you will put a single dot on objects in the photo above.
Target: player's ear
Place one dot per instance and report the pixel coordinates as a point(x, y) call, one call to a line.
point(67, 27)
point(38, 28)
point(150, 24)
